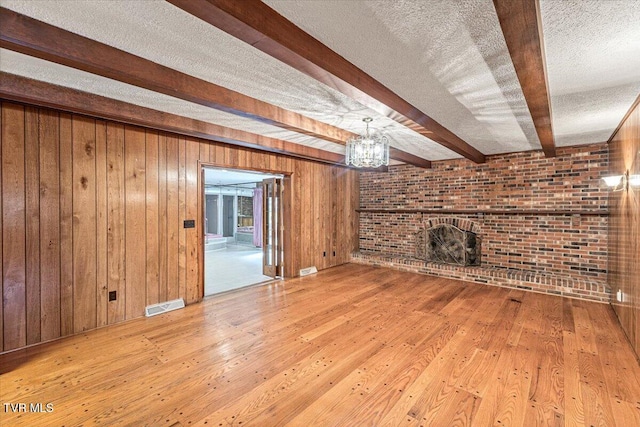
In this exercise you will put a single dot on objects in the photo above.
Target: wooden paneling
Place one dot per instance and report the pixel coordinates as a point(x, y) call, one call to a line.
point(115, 221)
point(162, 218)
point(102, 277)
point(152, 246)
point(291, 224)
point(66, 226)
point(49, 225)
point(624, 227)
point(108, 202)
point(306, 215)
point(182, 236)
point(135, 222)
point(13, 228)
point(173, 214)
point(84, 224)
point(193, 291)
point(32, 223)
point(346, 230)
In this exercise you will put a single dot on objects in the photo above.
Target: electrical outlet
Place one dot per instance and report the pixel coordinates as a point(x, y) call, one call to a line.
point(113, 295)
point(620, 296)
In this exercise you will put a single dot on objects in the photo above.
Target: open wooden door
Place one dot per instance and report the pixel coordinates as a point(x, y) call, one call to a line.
point(272, 227)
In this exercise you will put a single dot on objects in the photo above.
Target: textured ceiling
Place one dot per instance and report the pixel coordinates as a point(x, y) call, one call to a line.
point(23, 65)
point(593, 63)
point(448, 58)
point(162, 33)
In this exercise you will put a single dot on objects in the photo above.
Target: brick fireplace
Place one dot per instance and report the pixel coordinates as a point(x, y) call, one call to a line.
point(542, 221)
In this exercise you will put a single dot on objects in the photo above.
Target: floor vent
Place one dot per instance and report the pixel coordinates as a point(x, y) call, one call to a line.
point(307, 271)
point(163, 307)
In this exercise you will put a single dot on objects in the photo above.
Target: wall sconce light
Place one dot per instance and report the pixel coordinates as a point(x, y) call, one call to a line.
point(617, 182)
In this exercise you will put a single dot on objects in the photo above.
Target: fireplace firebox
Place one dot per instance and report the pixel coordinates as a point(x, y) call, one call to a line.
point(444, 241)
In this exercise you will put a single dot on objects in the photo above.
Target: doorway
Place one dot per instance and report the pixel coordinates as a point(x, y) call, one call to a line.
point(242, 229)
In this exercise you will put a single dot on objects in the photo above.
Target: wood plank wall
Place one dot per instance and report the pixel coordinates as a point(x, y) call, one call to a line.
point(91, 206)
point(624, 229)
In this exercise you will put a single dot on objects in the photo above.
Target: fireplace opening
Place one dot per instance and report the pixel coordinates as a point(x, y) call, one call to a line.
point(446, 243)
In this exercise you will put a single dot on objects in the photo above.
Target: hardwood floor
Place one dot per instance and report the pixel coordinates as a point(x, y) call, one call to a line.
point(352, 345)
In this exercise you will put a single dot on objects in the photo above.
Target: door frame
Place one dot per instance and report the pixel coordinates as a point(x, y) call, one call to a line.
point(287, 202)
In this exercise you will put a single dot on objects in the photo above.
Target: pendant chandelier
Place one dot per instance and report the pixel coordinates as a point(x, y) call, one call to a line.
point(368, 150)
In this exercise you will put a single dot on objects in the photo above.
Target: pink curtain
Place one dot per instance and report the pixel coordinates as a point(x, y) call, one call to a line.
point(257, 217)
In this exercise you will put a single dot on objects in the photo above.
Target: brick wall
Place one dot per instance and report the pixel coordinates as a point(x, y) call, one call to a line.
point(563, 245)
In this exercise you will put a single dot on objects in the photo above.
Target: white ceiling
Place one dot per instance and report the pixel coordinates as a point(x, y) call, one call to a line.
point(215, 176)
point(448, 58)
point(593, 65)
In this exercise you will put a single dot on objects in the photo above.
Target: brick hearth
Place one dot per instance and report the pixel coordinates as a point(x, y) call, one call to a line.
point(497, 276)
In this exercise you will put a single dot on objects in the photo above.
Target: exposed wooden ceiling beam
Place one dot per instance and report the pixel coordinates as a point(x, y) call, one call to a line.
point(409, 158)
point(22, 89)
point(522, 29)
point(262, 27)
point(32, 37)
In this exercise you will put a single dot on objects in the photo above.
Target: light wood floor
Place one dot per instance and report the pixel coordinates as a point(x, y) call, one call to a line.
point(353, 345)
